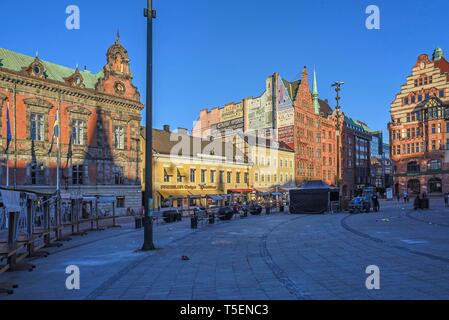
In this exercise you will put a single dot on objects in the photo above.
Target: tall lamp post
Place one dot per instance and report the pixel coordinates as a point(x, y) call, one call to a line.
point(338, 115)
point(148, 243)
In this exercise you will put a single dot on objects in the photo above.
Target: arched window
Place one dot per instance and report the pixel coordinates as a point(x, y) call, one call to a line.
point(414, 186)
point(434, 165)
point(435, 186)
point(413, 167)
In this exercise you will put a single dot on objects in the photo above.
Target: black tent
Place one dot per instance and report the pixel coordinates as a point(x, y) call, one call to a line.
point(312, 197)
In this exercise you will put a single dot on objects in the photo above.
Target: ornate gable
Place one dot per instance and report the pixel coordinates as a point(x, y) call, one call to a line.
point(75, 80)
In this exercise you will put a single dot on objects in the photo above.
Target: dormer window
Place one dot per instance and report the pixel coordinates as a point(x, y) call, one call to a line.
point(76, 79)
point(36, 70)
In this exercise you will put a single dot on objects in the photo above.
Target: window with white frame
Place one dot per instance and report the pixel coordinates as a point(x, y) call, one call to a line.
point(119, 138)
point(37, 127)
point(78, 132)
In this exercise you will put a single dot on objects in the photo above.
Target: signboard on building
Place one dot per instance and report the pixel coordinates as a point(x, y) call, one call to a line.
point(260, 113)
point(231, 112)
point(286, 118)
point(230, 125)
point(286, 135)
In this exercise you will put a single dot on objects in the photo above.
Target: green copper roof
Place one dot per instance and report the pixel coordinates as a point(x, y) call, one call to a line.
point(16, 62)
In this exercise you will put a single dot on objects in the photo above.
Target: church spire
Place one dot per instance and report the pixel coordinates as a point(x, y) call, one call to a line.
point(316, 103)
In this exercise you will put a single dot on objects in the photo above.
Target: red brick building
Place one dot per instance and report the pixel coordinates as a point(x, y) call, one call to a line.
point(314, 135)
point(419, 128)
point(100, 126)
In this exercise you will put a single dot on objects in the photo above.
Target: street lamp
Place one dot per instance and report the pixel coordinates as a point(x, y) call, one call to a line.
point(148, 243)
point(338, 115)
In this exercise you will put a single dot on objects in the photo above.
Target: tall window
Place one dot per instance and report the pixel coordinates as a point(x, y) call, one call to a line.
point(37, 127)
point(166, 176)
point(77, 175)
point(229, 177)
point(246, 178)
point(221, 177)
point(203, 176)
point(238, 174)
point(192, 175)
point(119, 137)
point(178, 176)
point(78, 132)
point(212, 176)
point(118, 175)
point(36, 173)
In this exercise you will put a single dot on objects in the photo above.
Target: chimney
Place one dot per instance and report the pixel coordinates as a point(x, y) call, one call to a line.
point(166, 128)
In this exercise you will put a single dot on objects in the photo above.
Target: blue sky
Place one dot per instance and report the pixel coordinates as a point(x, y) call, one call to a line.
point(211, 52)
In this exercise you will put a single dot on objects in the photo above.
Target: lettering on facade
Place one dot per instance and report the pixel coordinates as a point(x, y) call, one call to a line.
point(231, 112)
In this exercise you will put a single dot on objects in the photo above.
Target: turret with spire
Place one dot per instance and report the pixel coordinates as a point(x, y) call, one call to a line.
point(316, 103)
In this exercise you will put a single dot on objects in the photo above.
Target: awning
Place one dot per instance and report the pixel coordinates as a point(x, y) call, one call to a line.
point(215, 197)
point(174, 194)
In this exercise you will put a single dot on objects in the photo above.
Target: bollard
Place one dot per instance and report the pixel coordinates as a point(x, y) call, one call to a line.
point(194, 222)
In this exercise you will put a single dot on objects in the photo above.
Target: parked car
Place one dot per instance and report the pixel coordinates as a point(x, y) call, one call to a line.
point(255, 209)
point(225, 213)
point(171, 216)
point(360, 204)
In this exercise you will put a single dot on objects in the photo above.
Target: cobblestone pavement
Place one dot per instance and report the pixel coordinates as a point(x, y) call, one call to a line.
point(278, 256)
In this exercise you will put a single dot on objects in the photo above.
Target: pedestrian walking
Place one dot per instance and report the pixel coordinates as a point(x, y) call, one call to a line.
point(445, 199)
point(398, 195)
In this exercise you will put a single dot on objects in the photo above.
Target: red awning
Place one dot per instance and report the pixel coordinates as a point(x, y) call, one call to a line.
point(241, 190)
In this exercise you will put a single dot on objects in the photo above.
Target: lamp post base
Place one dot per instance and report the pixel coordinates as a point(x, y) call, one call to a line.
point(148, 244)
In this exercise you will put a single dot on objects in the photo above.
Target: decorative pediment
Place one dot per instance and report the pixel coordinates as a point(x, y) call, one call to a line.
point(433, 102)
point(38, 102)
point(79, 111)
point(423, 59)
point(75, 80)
point(36, 69)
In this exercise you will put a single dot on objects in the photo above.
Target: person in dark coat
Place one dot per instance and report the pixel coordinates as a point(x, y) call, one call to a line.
point(417, 203)
point(376, 205)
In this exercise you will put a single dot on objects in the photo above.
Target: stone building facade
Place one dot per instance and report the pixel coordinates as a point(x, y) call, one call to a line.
point(419, 128)
point(99, 115)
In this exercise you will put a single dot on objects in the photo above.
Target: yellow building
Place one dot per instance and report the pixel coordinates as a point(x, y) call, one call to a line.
point(273, 167)
point(187, 169)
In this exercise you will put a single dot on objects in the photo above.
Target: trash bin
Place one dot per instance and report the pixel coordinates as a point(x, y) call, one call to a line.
point(138, 222)
point(194, 222)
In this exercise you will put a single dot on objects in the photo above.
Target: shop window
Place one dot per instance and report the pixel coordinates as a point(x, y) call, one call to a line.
point(120, 202)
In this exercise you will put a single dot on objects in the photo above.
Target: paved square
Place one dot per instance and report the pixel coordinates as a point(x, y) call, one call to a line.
point(278, 256)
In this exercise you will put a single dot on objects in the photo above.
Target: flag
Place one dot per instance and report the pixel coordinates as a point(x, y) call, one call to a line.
point(55, 133)
point(8, 129)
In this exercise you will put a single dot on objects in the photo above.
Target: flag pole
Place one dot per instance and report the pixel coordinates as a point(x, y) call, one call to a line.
point(15, 135)
point(58, 156)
